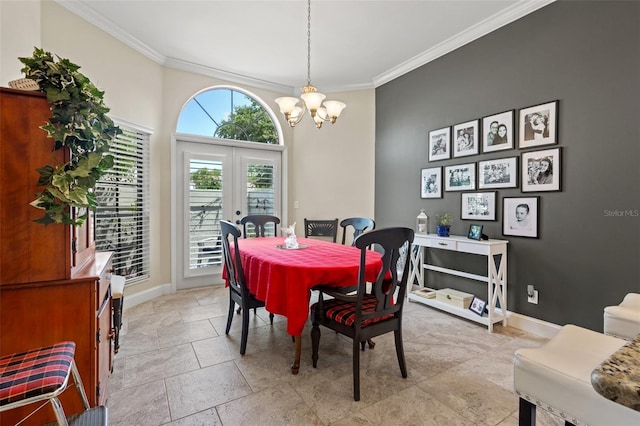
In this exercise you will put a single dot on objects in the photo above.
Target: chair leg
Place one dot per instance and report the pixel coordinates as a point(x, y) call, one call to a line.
point(356, 371)
point(245, 331)
point(400, 352)
point(526, 413)
point(232, 305)
point(271, 318)
point(315, 343)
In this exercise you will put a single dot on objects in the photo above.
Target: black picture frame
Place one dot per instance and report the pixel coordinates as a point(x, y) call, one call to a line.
point(460, 177)
point(493, 127)
point(431, 182)
point(440, 144)
point(465, 139)
point(520, 216)
point(498, 173)
point(538, 125)
point(475, 232)
point(541, 170)
point(478, 205)
point(478, 306)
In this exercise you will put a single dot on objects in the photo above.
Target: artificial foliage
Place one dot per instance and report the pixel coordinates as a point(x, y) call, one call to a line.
point(78, 122)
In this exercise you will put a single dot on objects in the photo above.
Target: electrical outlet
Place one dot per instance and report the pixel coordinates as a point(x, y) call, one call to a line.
point(533, 298)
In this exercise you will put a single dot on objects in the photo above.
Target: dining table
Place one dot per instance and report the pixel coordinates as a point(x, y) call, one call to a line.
point(284, 277)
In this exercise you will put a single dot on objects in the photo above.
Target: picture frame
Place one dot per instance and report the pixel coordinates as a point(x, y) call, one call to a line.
point(498, 173)
point(440, 144)
point(541, 170)
point(478, 305)
point(538, 125)
point(475, 232)
point(465, 139)
point(478, 205)
point(460, 177)
point(520, 217)
point(498, 131)
point(431, 183)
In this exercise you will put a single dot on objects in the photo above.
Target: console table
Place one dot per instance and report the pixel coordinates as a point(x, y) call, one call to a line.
point(496, 279)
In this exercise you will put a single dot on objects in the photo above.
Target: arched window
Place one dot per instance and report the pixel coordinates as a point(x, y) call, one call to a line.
point(228, 114)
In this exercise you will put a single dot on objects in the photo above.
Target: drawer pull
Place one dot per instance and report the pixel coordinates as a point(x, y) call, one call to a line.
point(443, 244)
point(449, 296)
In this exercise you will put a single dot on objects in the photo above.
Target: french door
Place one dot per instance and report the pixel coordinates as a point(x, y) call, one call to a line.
point(219, 179)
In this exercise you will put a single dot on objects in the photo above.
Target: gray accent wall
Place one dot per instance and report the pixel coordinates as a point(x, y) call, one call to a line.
point(586, 55)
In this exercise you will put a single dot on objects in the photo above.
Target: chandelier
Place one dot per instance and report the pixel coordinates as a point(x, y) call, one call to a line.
point(311, 98)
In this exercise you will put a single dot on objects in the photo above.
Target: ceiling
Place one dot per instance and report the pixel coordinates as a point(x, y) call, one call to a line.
point(355, 44)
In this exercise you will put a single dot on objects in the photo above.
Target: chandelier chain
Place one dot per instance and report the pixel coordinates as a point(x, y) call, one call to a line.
point(309, 43)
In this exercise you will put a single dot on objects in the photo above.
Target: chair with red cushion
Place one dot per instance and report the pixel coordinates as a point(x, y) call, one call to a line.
point(42, 374)
point(364, 315)
point(238, 291)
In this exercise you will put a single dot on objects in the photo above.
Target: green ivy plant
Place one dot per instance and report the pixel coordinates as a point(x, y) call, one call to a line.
point(79, 123)
point(443, 219)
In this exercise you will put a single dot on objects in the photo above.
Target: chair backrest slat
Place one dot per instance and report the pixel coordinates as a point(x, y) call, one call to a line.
point(233, 263)
point(259, 222)
point(359, 225)
point(321, 228)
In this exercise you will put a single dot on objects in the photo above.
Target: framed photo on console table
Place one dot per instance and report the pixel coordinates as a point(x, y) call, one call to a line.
point(538, 125)
point(478, 205)
point(461, 177)
point(520, 216)
point(431, 183)
point(541, 170)
point(440, 144)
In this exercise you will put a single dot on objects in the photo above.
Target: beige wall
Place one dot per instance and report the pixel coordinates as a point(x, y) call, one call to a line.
point(19, 33)
point(331, 171)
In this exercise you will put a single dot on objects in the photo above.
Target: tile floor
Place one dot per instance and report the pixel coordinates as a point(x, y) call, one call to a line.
point(177, 367)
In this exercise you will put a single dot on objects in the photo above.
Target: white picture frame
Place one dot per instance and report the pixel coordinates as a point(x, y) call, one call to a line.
point(541, 170)
point(478, 205)
point(538, 125)
point(431, 182)
point(520, 216)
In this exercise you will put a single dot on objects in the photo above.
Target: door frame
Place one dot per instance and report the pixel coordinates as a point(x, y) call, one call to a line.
point(175, 182)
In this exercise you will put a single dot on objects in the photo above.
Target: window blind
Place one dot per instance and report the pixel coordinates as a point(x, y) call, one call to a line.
point(122, 216)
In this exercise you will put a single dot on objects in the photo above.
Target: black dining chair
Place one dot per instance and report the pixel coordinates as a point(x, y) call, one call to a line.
point(364, 315)
point(359, 225)
point(261, 227)
point(321, 228)
point(238, 291)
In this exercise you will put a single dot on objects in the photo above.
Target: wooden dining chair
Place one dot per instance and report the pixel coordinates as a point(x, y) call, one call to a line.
point(321, 228)
point(260, 224)
point(238, 291)
point(364, 315)
point(359, 225)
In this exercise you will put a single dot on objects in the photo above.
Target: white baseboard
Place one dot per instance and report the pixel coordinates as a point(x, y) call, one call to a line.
point(146, 295)
point(532, 325)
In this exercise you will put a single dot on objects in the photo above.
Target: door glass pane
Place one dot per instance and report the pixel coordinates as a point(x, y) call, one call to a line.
point(205, 208)
point(260, 194)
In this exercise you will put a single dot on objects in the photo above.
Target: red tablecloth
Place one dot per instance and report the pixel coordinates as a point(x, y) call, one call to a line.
point(282, 278)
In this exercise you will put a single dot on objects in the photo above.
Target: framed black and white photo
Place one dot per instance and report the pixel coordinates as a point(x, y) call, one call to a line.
point(440, 144)
point(478, 306)
point(541, 170)
point(520, 216)
point(499, 173)
point(498, 131)
point(538, 125)
point(461, 177)
point(478, 205)
point(475, 232)
point(431, 183)
point(466, 139)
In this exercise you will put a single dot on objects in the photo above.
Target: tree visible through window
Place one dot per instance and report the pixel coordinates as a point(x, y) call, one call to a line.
point(227, 114)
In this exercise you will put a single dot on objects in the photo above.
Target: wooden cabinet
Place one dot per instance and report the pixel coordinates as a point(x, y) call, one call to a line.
point(53, 286)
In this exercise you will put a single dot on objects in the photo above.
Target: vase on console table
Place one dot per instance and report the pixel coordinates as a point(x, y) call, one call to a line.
point(443, 230)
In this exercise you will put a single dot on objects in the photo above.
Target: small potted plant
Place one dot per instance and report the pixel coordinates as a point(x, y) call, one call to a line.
point(443, 224)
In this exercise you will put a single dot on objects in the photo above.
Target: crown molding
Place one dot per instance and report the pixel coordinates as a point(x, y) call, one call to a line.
point(109, 27)
point(483, 28)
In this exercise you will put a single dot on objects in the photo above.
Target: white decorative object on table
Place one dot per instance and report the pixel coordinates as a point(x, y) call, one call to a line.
point(291, 242)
